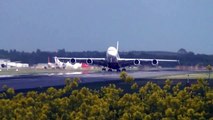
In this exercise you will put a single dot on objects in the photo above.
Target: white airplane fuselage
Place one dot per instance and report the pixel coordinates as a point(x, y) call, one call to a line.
point(112, 58)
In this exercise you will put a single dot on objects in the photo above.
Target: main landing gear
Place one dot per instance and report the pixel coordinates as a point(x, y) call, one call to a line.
point(110, 69)
point(103, 69)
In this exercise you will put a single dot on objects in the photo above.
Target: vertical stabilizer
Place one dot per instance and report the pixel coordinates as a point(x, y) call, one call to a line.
point(59, 63)
point(117, 45)
point(57, 60)
point(48, 61)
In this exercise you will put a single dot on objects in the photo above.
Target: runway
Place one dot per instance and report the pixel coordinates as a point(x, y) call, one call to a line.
point(58, 79)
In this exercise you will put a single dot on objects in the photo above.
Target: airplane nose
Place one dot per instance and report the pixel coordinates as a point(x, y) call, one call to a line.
point(112, 53)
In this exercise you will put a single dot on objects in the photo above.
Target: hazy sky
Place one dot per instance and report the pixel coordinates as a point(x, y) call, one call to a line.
point(77, 25)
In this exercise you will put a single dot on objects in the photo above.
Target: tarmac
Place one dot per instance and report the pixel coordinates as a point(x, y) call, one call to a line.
point(19, 82)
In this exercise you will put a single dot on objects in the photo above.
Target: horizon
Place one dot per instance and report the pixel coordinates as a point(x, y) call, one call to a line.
point(104, 51)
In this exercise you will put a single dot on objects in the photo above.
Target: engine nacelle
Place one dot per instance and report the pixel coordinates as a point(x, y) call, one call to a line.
point(89, 61)
point(3, 65)
point(73, 61)
point(154, 62)
point(136, 62)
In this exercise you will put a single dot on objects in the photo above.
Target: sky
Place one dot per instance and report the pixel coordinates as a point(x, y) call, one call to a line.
point(81, 25)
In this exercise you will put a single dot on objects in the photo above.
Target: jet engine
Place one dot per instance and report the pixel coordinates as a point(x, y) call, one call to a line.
point(136, 62)
point(89, 61)
point(73, 61)
point(3, 66)
point(154, 62)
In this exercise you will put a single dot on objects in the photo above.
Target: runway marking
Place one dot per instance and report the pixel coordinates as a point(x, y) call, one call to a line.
point(3, 76)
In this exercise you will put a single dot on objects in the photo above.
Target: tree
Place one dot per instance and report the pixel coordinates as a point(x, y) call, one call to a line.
point(129, 79)
point(149, 102)
point(167, 85)
point(169, 112)
point(71, 84)
point(209, 68)
point(123, 75)
point(134, 86)
point(182, 51)
point(5, 87)
point(10, 92)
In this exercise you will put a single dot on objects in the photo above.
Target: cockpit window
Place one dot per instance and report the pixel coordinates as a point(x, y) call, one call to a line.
point(111, 49)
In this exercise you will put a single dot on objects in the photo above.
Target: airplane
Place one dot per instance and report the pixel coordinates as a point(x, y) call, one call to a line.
point(4, 63)
point(68, 65)
point(48, 65)
point(113, 60)
point(51, 65)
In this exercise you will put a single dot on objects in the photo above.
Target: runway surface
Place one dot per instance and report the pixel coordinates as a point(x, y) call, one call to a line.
point(58, 79)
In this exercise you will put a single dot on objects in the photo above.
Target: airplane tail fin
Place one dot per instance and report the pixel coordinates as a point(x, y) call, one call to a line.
point(57, 61)
point(48, 60)
point(117, 45)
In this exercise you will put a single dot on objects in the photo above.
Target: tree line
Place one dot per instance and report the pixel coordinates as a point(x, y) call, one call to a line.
point(38, 56)
point(148, 102)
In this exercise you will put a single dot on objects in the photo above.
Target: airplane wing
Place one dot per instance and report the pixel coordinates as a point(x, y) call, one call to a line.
point(134, 61)
point(94, 61)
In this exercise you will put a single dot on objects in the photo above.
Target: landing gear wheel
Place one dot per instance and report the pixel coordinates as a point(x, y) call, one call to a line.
point(109, 70)
point(103, 69)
